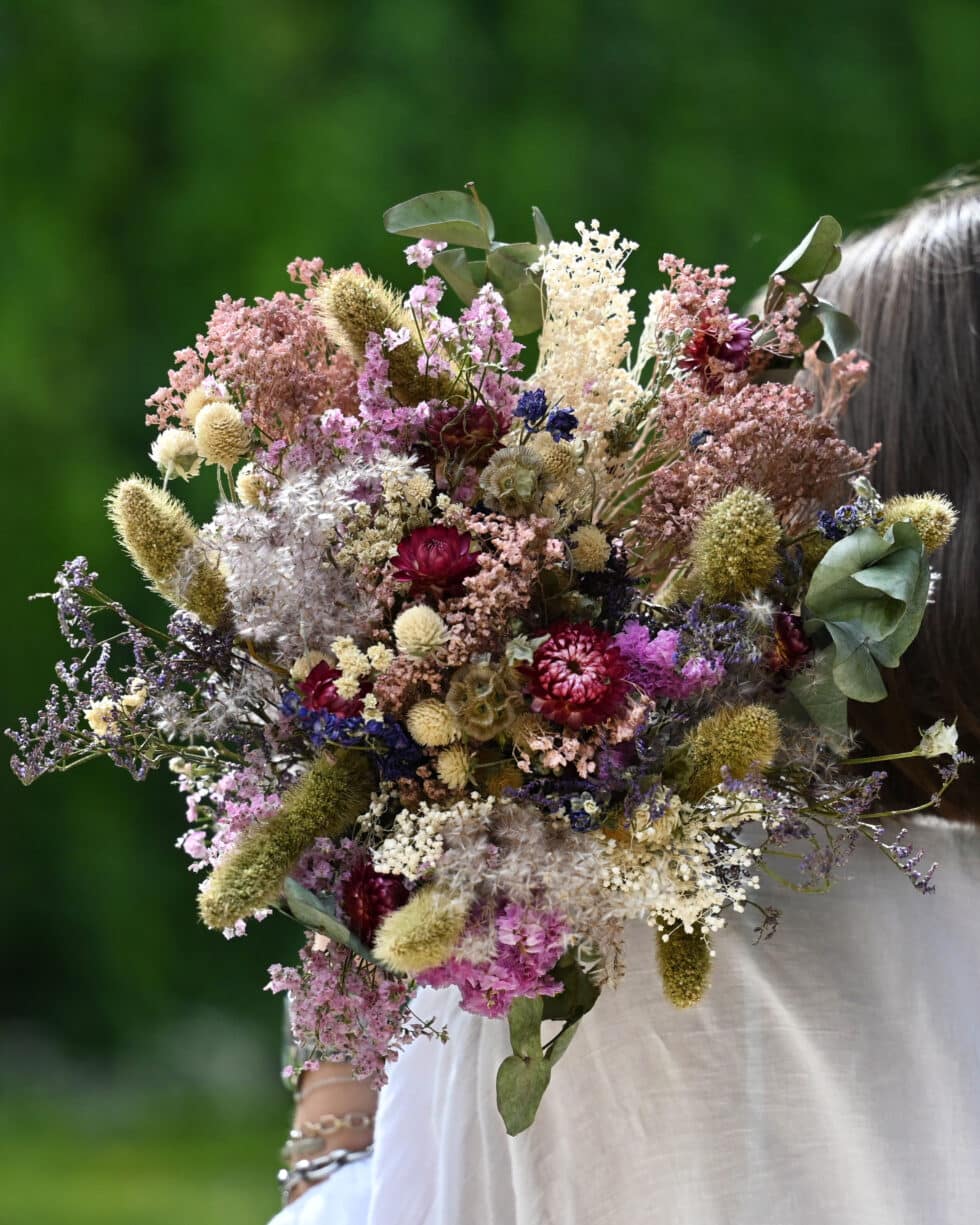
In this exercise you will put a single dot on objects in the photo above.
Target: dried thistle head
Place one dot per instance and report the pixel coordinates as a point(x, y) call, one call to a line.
point(933, 516)
point(222, 435)
point(734, 547)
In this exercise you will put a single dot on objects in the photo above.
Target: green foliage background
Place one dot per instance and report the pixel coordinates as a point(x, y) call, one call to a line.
point(154, 155)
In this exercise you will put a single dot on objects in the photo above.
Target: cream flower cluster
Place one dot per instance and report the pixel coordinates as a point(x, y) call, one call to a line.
point(416, 844)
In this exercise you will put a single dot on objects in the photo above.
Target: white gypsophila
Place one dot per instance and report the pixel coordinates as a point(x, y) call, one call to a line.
point(416, 842)
point(585, 335)
point(286, 593)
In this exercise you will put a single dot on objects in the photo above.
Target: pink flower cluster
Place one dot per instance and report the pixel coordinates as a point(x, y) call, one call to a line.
point(529, 943)
point(653, 666)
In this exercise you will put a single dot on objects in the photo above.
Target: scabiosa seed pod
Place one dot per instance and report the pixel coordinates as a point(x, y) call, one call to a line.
point(423, 933)
point(738, 737)
point(435, 560)
point(733, 550)
point(469, 432)
point(933, 517)
point(175, 454)
point(590, 549)
point(432, 724)
point(685, 967)
point(453, 767)
point(323, 804)
point(560, 459)
point(159, 536)
point(222, 436)
point(355, 306)
point(577, 676)
point(484, 699)
point(514, 482)
point(499, 780)
point(419, 631)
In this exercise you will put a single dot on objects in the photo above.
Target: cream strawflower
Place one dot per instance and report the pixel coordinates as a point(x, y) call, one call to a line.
point(940, 740)
point(419, 631)
point(102, 716)
point(175, 455)
point(222, 436)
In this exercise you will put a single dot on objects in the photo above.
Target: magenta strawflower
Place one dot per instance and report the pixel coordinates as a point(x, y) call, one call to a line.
point(319, 692)
point(435, 560)
point(577, 676)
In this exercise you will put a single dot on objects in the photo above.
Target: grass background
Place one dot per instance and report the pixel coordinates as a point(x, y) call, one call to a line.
point(158, 153)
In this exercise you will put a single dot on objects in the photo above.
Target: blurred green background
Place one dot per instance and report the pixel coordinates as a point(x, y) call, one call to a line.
point(156, 155)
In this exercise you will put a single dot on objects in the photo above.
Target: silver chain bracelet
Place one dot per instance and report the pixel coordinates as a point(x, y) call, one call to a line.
point(318, 1169)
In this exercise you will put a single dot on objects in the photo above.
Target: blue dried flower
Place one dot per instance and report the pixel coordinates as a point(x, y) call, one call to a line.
point(532, 406)
point(562, 423)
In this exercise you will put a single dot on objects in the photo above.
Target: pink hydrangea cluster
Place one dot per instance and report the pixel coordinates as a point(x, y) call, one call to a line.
point(344, 1006)
point(529, 943)
point(653, 664)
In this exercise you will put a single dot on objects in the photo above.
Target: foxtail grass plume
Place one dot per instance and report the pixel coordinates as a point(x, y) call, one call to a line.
point(933, 517)
point(222, 436)
point(733, 549)
point(685, 967)
point(160, 537)
point(323, 804)
point(738, 737)
point(353, 306)
point(423, 933)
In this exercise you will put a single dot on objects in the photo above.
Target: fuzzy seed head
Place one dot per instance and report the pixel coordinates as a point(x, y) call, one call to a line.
point(453, 767)
point(222, 436)
point(422, 934)
point(933, 517)
point(194, 401)
point(152, 527)
point(205, 594)
point(525, 728)
point(738, 737)
point(175, 454)
point(419, 631)
point(484, 699)
point(734, 546)
point(251, 485)
point(685, 967)
point(323, 804)
point(431, 724)
point(590, 549)
point(559, 459)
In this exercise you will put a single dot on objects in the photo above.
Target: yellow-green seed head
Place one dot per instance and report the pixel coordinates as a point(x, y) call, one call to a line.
point(685, 967)
point(323, 804)
point(933, 517)
point(423, 933)
point(205, 594)
point(738, 737)
point(734, 546)
point(354, 305)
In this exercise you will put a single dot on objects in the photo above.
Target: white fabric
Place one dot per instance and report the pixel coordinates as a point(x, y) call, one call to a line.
point(831, 1075)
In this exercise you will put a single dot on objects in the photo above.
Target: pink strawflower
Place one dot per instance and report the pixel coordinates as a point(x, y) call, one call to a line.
point(577, 676)
point(319, 692)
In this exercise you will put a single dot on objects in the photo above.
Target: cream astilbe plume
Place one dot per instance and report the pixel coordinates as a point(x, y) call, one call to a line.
point(738, 737)
point(353, 306)
point(685, 967)
point(323, 804)
point(733, 550)
point(933, 517)
point(423, 933)
point(160, 537)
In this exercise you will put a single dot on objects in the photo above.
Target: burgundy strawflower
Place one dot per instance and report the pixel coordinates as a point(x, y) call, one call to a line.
point(790, 645)
point(367, 897)
point(320, 693)
point(435, 560)
point(577, 676)
point(471, 431)
point(730, 346)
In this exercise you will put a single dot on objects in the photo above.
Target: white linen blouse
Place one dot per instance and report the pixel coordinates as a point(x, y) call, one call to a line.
point(831, 1075)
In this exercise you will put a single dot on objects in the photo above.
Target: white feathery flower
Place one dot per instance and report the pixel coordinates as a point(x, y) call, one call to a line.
point(175, 454)
point(940, 740)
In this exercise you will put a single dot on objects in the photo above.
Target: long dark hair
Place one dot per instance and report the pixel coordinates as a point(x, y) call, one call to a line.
point(913, 287)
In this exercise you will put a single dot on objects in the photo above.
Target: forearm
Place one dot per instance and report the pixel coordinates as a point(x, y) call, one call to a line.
point(333, 1111)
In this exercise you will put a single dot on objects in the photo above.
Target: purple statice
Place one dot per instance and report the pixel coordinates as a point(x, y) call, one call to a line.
point(386, 420)
point(654, 665)
point(905, 857)
point(529, 944)
point(719, 631)
point(219, 811)
point(485, 339)
point(562, 424)
point(343, 1008)
point(835, 525)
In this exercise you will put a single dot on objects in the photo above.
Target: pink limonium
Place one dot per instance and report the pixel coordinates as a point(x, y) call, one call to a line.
point(653, 666)
point(529, 944)
point(422, 253)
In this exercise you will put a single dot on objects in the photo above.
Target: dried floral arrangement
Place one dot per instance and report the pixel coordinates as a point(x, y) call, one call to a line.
point(475, 663)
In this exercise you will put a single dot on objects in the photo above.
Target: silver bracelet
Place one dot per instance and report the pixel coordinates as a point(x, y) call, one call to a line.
point(312, 1137)
point(318, 1169)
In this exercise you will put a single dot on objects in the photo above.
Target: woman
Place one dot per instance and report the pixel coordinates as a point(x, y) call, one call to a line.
point(832, 1073)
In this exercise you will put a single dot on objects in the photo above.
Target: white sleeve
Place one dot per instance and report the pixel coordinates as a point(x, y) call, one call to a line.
point(344, 1199)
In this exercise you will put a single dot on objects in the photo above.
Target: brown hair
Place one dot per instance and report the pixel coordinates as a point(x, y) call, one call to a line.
point(913, 287)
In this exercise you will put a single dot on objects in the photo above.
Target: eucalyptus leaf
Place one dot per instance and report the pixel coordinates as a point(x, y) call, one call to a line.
point(524, 307)
point(455, 269)
point(810, 329)
point(579, 995)
point(561, 1043)
point(319, 915)
point(445, 216)
point(508, 263)
point(542, 230)
point(855, 672)
point(521, 1085)
point(818, 253)
point(813, 695)
point(840, 332)
point(890, 650)
point(524, 1022)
